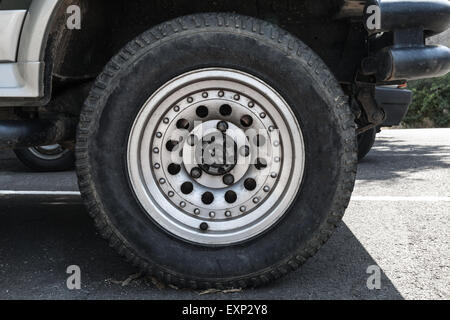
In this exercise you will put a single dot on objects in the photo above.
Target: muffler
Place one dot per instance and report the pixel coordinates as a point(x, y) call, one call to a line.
point(36, 132)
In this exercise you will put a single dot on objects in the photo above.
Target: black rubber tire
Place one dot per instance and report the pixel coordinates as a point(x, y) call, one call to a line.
point(217, 40)
point(365, 142)
point(65, 163)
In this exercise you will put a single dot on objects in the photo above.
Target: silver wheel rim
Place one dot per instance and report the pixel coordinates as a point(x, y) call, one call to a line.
point(261, 146)
point(50, 152)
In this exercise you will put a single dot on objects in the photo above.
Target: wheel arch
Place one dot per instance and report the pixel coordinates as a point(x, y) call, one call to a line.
point(79, 55)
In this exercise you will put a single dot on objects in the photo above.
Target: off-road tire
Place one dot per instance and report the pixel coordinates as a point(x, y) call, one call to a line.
point(365, 142)
point(230, 41)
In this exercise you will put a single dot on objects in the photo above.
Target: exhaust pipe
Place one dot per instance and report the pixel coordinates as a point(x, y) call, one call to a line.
point(32, 133)
point(432, 15)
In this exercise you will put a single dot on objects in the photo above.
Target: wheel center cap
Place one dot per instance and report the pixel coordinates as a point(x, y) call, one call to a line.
point(218, 154)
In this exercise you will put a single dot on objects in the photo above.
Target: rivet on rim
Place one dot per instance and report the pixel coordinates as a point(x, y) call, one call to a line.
point(156, 150)
point(262, 115)
point(157, 166)
point(212, 214)
point(266, 189)
point(227, 214)
point(158, 134)
point(221, 93)
point(166, 120)
point(162, 181)
point(243, 208)
point(197, 212)
point(274, 175)
point(190, 100)
point(176, 108)
point(251, 104)
point(237, 97)
point(205, 94)
point(171, 194)
point(182, 204)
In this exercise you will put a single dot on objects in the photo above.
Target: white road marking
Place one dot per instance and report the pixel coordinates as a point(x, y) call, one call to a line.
point(385, 153)
point(401, 199)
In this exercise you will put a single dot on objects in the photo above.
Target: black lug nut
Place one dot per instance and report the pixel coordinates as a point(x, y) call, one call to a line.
point(228, 179)
point(196, 173)
point(245, 151)
point(222, 126)
point(204, 226)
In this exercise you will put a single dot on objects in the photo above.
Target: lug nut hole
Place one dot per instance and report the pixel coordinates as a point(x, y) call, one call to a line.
point(183, 124)
point(171, 145)
point(187, 187)
point(202, 112)
point(174, 169)
point(246, 121)
point(250, 184)
point(230, 196)
point(207, 198)
point(226, 110)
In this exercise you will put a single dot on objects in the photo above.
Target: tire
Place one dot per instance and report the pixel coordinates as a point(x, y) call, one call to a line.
point(217, 47)
point(365, 142)
point(47, 159)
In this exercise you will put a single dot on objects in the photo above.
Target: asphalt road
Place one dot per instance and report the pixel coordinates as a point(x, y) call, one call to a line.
point(398, 221)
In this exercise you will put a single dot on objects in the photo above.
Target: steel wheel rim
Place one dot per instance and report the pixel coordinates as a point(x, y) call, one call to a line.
point(186, 214)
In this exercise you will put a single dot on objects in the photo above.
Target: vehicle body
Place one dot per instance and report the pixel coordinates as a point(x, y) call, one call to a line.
point(140, 81)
